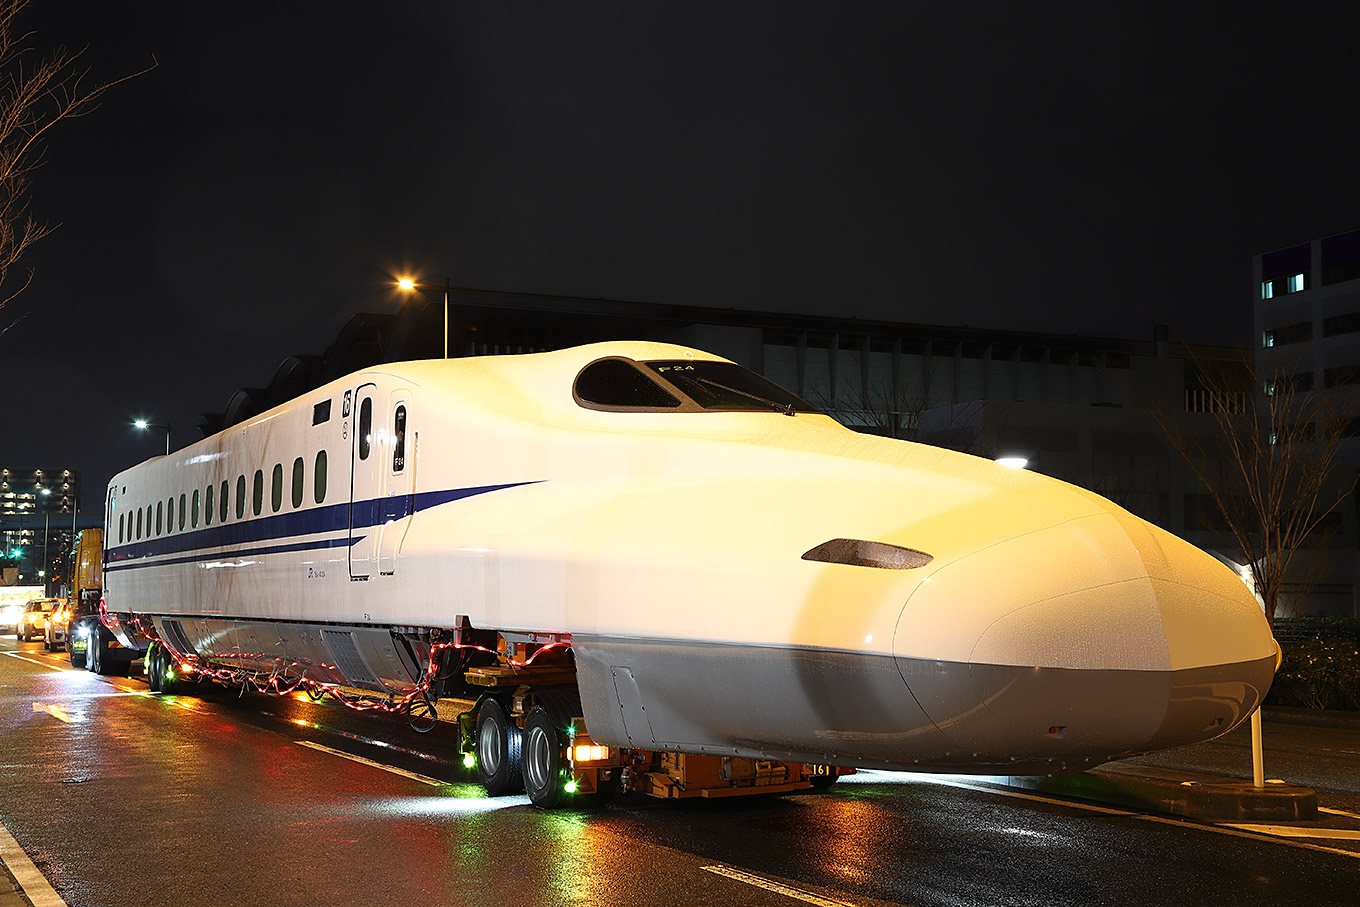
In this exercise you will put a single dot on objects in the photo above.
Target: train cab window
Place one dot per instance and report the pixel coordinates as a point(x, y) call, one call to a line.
point(276, 488)
point(139, 524)
point(120, 528)
point(365, 428)
point(618, 384)
point(193, 514)
point(181, 513)
point(257, 492)
point(319, 477)
point(160, 515)
point(399, 439)
point(222, 502)
point(298, 468)
point(208, 505)
point(240, 496)
point(728, 387)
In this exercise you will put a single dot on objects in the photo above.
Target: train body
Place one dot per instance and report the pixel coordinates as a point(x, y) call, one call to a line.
point(709, 565)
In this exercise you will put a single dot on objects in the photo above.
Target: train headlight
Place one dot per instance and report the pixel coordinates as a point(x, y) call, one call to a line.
point(861, 553)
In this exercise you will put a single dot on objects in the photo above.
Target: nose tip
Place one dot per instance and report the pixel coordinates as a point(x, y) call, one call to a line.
point(1092, 639)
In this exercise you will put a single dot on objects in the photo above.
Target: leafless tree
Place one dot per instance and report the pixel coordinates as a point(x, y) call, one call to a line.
point(1266, 449)
point(36, 93)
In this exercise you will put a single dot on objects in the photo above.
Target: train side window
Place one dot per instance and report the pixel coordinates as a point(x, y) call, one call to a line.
point(120, 528)
point(139, 524)
point(148, 521)
point(208, 505)
point(170, 515)
point(193, 514)
point(399, 439)
point(240, 496)
point(319, 477)
point(160, 516)
point(181, 513)
point(298, 468)
point(257, 492)
point(222, 503)
point(365, 428)
point(276, 488)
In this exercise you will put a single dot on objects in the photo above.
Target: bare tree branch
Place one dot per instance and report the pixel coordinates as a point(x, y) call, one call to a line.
point(35, 95)
point(1269, 459)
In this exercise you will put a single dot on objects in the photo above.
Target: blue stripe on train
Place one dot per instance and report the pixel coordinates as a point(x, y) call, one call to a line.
point(331, 518)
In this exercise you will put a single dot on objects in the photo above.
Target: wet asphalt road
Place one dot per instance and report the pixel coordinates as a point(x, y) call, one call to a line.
point(123, 798)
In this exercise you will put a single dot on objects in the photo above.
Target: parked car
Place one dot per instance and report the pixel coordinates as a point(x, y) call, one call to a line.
point(33, 620)
point(55, 636)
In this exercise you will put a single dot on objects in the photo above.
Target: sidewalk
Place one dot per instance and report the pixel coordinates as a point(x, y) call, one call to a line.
point(1194, 790)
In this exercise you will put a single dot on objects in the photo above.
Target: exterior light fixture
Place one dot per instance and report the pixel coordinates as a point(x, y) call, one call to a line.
point(407, 284)
point(1013, 462)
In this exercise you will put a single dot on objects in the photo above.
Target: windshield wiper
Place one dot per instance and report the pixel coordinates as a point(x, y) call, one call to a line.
point(785, 408)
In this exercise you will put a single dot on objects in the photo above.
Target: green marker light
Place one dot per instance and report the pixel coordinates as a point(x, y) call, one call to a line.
point(571, 786)
point(469, 760)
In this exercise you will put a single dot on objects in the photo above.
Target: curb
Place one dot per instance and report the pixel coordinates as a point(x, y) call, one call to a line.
point(1192, 795)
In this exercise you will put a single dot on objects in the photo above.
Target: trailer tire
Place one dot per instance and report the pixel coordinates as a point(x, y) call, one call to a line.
point(93, 656)
point(498, 750)
point(543, 762)
point(155, 670)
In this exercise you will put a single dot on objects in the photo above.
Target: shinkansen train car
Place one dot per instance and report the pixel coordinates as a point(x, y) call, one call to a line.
point(653, 566)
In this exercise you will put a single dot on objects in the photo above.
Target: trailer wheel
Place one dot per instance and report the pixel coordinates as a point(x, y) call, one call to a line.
point(155, 670)
point(543, 763)
point(498, 750)
point(92, 646)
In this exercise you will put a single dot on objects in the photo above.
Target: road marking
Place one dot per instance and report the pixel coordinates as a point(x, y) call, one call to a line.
point(34, 884)
point(1287, 831)
point(1161, 820)
point(55, 711)
point(424, 779)
point(41, 664)
point(777, 888)
point(1339, 812)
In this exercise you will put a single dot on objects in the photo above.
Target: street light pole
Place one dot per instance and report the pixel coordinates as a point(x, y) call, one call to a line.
point(143, 425)
point(407, 283)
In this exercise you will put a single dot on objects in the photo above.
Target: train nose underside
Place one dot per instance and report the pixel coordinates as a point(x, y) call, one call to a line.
point(1098, 638)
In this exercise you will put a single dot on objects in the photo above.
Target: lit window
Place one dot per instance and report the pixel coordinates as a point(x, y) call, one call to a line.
point(1268, 339)
point(1296, 283)
point(1267, 290)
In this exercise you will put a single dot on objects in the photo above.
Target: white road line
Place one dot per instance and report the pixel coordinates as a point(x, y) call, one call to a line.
point(1161, 820)
point(777, 888)
point(1339, 812)
point(33, 882)
point(41, 664)
point(55, 711)
point(424, 779)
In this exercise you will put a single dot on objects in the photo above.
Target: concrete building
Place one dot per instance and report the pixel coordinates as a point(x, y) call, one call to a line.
point(37, 509)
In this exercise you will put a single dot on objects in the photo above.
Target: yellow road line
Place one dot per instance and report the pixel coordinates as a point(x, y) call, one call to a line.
point(807, 897)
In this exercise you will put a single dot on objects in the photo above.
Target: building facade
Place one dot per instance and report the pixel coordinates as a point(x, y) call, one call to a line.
point(37, 515)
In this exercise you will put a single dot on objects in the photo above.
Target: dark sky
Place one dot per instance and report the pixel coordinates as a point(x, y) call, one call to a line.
point(1069, 168)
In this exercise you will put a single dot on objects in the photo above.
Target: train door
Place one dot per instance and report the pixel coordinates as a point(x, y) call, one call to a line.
point(366, 480)
point(398, 498)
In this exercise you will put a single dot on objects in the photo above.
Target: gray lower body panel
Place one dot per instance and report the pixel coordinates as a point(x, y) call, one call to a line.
point(362, 657)
point(876, 711)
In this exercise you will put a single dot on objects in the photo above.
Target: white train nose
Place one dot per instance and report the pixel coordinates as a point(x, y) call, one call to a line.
point(1095, 638)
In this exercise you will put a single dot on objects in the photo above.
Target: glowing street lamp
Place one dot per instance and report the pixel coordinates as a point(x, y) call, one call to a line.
point(408, 285)
point(143, 425)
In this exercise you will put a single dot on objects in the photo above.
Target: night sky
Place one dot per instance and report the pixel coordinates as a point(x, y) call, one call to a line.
point(1071, 168)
